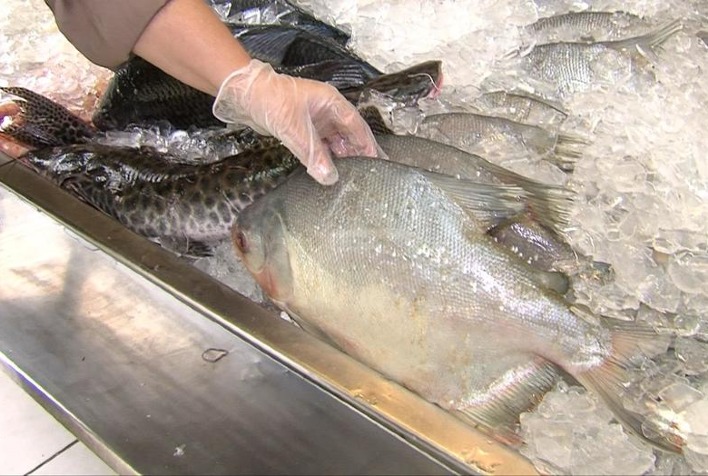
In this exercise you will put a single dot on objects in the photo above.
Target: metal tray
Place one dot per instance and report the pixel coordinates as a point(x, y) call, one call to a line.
point(161, 369)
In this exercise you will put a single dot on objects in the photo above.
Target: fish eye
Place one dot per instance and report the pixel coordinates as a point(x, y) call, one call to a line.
point(241, 242)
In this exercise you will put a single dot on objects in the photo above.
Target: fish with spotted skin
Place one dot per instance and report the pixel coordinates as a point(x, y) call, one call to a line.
point(392, 264)
point(187, 208)
point(40, 122)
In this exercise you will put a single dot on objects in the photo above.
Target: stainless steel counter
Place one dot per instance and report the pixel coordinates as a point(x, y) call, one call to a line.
point(161, 369)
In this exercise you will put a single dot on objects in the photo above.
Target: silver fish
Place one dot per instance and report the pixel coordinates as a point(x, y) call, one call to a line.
point(570, 67)
point(519, 107)
point(491, 137)
point(549, 204)
point(587, 26)
point(392, 265)
point(538, 245)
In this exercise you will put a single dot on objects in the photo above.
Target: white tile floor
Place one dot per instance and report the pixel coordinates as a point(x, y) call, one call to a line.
point(33, 442)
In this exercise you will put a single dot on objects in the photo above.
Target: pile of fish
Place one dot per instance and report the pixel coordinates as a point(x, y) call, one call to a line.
point(442, 267)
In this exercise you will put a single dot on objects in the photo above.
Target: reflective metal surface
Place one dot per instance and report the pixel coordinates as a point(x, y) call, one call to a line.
point(161, 369)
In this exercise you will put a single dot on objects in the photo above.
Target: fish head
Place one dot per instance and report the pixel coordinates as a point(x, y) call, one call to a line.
point(259, 237)
point(411, 84)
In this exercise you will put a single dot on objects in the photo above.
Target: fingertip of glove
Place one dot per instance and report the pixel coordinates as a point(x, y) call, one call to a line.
point(324, 174)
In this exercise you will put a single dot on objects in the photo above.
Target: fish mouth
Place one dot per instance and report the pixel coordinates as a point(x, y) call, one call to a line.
point(423, 80)
point(436, 89)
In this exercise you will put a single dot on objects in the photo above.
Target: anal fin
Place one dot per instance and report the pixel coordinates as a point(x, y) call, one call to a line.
point(497, 407)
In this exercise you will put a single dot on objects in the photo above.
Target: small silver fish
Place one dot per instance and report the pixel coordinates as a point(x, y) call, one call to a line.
point(587, 26)
point(571, 67)
point(520, 107)
point(491, 137)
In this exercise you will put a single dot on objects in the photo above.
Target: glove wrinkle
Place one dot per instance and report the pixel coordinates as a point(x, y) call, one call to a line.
point(311, 118)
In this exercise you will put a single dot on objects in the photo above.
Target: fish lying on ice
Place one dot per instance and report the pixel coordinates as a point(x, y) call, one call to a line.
point(187, 207)
point(570, 67)
point(140, 93)
point(519, 107)
point(491, 136)
point(553, 202)
point(392, 265)
point(587, 26)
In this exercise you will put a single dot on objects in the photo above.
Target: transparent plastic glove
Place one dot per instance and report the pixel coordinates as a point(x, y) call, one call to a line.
point(309, 117)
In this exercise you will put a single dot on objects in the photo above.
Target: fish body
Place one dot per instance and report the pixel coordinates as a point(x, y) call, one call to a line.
point(491, 136)
point(276, 12)
point(520, 107)
point(548, 203)
point(185, 207)
point(142, 94)
point(290, 46)
point(570, 67)
point(392, 266)
point(588, 26)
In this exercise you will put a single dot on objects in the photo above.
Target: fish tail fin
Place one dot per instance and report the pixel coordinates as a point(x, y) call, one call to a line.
point(659, 37)
point(40, 122)
point(518, 390)
point(549, 205)
point(646, 43)
point(375, 120)
point(630, 344)
point(567, 151)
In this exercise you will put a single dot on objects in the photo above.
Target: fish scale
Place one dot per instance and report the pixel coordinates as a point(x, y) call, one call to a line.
point(181, 205)
point(393, 267)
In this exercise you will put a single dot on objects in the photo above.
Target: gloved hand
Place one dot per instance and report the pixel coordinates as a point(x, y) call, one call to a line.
point(309, 117)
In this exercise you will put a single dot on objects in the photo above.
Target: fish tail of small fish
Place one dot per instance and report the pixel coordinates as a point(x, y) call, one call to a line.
point(631, 345)
point(567, 151)
point(549, 205)
point(646, 43)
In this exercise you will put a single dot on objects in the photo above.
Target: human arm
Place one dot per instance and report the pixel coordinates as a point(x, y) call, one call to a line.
point(187, 40)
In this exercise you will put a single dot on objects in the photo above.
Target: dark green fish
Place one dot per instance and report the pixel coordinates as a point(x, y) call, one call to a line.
point(142, 94)
point(276, 12)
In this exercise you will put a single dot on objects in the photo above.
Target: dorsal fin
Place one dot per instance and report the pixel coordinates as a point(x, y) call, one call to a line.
point(488, 204)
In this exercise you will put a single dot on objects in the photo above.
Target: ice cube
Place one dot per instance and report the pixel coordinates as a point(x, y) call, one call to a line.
point(693, 354)
point(572, 433)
